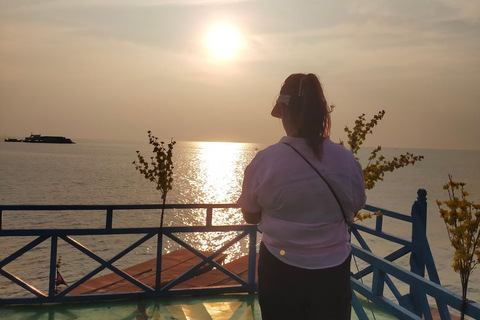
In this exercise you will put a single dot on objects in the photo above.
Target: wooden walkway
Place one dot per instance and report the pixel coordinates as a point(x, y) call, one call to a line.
point(174, 264)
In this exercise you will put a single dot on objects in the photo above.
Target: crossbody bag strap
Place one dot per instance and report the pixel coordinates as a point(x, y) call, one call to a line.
point(320, 175)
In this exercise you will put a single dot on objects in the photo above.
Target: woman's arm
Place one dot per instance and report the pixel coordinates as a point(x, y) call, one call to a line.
point(252, 217)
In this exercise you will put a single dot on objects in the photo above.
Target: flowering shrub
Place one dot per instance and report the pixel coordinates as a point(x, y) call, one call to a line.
point(377, 166)
point(160, 168)
point(462, 219)
point(363, 216)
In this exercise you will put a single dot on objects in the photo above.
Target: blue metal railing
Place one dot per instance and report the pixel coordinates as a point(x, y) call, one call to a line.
point(42, 235)
point(410, 305)
point(414, 304)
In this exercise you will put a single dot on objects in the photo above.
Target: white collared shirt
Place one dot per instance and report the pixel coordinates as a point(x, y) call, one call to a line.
point(302, 223)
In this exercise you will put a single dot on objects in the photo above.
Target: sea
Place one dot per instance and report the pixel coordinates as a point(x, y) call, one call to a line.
point(93, 172)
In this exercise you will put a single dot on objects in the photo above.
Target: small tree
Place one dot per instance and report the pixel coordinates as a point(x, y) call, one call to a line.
point(160, 168)
point(377, 166)
point(462, 219)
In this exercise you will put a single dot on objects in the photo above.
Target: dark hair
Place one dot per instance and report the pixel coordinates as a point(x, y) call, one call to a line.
point(309, 106)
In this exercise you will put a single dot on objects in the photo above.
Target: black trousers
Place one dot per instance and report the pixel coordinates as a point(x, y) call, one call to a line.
point(288, 292)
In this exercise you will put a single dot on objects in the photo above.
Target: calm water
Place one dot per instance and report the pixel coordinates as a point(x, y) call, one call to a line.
point(96, 172)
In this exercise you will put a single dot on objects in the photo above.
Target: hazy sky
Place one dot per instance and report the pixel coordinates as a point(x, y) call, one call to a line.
point(117, 68)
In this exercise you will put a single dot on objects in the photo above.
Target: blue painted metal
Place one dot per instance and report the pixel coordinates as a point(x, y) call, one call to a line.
point(412, 305)
point(158, 271)
point(53, 269)
point(187, 275)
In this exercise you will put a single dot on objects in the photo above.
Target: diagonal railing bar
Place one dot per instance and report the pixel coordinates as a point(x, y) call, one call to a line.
point(389, 213)
point(22, 284)
point(79, 246)
point(391, 307)
point(391, 257)
point(23, 250)
point(428, 287)
point(382, 235)
point(16, 255)
point(106, 264)
point(115, 258)
point(357, 307)
point(359, 237)
point(201, 255)
point(209, 259)
point(121, 273)
point(397, 254)
point(393, 288)
point(188, 274)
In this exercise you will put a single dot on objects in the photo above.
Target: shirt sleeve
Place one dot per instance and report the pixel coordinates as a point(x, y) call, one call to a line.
point(248, 200)
point(360, 198)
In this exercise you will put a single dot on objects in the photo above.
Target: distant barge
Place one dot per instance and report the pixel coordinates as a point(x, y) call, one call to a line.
point(36, 138)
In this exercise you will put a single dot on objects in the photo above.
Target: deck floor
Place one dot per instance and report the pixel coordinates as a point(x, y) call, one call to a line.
point(212, 307)
point(218, 307)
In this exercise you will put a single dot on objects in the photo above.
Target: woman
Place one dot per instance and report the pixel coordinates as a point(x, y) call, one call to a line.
point(304, 263)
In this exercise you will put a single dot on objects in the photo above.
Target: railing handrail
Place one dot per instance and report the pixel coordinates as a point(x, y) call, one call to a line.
point(43, 207)
point(109, 209)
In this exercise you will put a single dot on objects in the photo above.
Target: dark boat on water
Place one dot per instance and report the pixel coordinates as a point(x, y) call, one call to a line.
point(36, 138)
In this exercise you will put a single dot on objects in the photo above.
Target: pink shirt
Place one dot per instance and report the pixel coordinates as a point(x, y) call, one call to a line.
point(302, 223)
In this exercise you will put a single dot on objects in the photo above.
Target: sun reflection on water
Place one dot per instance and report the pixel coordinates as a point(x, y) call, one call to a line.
point(218, 166)
point(212, 172)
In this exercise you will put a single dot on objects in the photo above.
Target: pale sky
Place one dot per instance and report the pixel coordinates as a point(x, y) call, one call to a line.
point(114, 69)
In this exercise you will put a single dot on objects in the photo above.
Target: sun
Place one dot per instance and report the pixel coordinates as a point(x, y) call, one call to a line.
point(223, 41)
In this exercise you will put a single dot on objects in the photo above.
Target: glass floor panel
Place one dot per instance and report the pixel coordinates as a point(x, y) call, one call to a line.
point(218, 307)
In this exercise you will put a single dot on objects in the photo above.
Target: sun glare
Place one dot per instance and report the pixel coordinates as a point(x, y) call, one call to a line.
point(223, 41)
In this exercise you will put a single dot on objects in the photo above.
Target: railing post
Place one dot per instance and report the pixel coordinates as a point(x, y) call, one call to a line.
point(209, 216)
point(419, 230)
point(379, 223)
point(1, 218)
point(417, 261)
point(109, 222)
point(158, 274)
point(252, 259)
point(421, 258)
point(53, 268)
point(378, 282)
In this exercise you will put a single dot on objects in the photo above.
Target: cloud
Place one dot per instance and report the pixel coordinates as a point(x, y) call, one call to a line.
point(44, 4)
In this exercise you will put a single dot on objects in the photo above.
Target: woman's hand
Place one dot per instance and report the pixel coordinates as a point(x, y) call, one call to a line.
point(252, 217)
